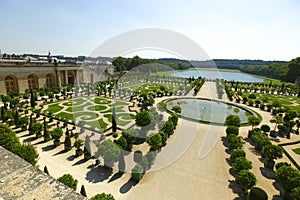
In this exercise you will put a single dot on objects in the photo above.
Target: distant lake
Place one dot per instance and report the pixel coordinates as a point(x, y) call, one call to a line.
point(210, 74)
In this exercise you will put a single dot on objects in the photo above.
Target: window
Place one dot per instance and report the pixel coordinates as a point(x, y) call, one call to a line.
point(33, 82)
point(11, 84)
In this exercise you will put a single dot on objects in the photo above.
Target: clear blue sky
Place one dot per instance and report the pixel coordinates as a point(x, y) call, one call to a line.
point(242, 29)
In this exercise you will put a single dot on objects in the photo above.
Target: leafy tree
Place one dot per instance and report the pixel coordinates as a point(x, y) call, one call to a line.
point(103, 196)
point(69, 181)
point(37, 129)
point(23, 121)
point(272, 151)
point(28, 152)
point(32, 99)
point(260, 139)
point(151, 155)
point(143, 118)
point(237, 153)
point(137, 172)
point(82, 191)
point(109, 151)
point(56, 135)
point(281, 164)
point(67, 142)
point(10, 141)
point(295, 194)
point(232, 130)
point(253, 120)
point(277, 120)
point(288, 177)
point(155, 141)
point(46, 132)
point(293, 70)
point(246, 179)
point(174, 119)
point(176, 109)
point(265, 128)
point(240, 164)
point(257, 193)
point(233, 120)
point(235, 142)
point(137, 156)
point(77, 144)
point(122, 142)
point(168, 127)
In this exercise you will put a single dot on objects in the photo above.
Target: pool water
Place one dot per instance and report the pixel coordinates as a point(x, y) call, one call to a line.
point(207, 110)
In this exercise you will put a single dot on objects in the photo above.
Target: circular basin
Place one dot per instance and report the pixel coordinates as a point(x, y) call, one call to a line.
point(207, 110)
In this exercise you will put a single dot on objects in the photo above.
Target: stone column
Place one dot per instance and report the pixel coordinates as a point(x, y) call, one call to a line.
point(58, 79)
point(66, 77)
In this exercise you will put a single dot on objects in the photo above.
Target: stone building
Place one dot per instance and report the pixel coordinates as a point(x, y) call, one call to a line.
point(20, 74)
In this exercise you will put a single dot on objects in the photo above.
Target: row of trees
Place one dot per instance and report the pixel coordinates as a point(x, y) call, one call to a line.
point(240, 164)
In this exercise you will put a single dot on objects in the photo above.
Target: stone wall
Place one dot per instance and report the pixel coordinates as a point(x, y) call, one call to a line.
point(21, 180)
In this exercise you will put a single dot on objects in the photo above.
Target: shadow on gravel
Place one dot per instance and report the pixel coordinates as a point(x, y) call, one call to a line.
point(127, 186)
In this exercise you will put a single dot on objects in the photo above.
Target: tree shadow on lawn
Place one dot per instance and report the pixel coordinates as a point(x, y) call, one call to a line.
point(98, 174)
point(127, 186)
point(277, 197)
point(268, 173)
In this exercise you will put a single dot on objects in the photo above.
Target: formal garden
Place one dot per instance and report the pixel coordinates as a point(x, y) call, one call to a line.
point(118, 125)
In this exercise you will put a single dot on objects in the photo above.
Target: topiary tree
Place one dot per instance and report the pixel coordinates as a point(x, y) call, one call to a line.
point(46, 134)
point(155, 141)
point(114, 120)
point(137, 156)
point(137, 172)
point(67, 142)
point(233, 120)
point(246, 180)
point(281, 164)
point(232, 130)
point(69, 181)
point(295, 194)
point(277, 120)
point(109, 151)
point(103, 196)
point(143, 118)
point(288, 177)
point(253, 120)
point(235, 142)
point(240, 164)
point(271, 152)
point(265, 128)
point(176, 109)
point(151, 155)
point(257, 193)
point(237, 153)
point(168, 127)
point(36, 129)
point(77, 144)
point(56, 135)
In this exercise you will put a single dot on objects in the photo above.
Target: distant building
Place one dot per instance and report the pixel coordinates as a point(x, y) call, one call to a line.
point(19, 73)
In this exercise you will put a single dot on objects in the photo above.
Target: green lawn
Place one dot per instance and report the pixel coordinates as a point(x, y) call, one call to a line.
point(97, 108)
point(54, 108)
point(74, 102)
point(77, 108)
point(102, 101)
point(297, 151)
point(120, 122)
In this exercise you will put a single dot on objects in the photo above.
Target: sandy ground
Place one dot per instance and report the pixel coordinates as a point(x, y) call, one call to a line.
point(193, 165)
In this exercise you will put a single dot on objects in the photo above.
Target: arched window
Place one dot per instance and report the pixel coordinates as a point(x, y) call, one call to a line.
point(49, 80)
point(33, 82)
point(11, 84)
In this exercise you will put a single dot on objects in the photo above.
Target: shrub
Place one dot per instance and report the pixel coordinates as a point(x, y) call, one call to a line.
point(240, 164)
point(281, 164)
point(237, 153)
point(103, 196)
point(265, 128)
point(235, 142)
point(257, 193)
point(137, 172)
point(246, 179)
point(69, 181)
point(115, 134)
point(288, 177)
point(232, 130)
